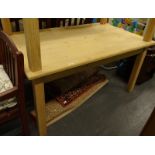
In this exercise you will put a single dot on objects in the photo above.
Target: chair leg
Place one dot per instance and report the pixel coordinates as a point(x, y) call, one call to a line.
point(17, 25)
point(23, 115)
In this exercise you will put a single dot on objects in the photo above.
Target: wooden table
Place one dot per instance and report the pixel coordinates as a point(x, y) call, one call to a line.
point(65, 51)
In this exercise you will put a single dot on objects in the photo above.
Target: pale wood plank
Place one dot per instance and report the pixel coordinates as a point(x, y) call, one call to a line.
point(136, 69)
point(54, 111)
point(67, 48)
point(39, 98)
point(149, 30)
point(31, 30)
point(6, 25)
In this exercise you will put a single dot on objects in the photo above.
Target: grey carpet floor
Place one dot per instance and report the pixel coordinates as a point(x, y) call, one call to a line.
point(112, 111)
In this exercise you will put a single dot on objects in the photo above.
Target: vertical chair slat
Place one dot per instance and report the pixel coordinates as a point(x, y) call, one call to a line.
point(9, 63)
point(40, 23)
point(4, 54)
point(70, 22)
point(11, 75)
point(17, 24)
point(58, 22)
point(7, 59)
point(11, 67)
point(13, 71)
point(63, 20)
point(75, 21)
point(1, 53)
point(81, 21)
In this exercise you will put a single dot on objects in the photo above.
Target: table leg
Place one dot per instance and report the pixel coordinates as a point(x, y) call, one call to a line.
point(136, 69)
point(39, 98)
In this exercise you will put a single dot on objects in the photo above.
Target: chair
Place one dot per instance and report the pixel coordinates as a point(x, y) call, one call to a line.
point(13, 64)
point(17, 23)
point(50, 22)
point(72, 21)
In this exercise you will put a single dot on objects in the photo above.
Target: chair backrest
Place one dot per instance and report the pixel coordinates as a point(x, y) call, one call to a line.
point(16, 23)
point(72, 21)
point(11, 59)
point(0, 25)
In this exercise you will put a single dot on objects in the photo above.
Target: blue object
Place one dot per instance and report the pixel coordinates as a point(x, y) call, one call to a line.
point(94, 20)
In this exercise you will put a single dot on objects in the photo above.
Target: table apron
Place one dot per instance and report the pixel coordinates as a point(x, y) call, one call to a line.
point(68, 72)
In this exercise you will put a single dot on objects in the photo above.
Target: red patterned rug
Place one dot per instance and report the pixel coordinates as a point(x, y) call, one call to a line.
point(71, 95)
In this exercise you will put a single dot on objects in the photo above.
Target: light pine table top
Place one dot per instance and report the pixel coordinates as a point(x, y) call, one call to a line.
point(67, 48)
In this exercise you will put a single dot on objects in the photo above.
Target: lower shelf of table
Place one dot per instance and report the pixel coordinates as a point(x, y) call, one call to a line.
point(54, 111)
